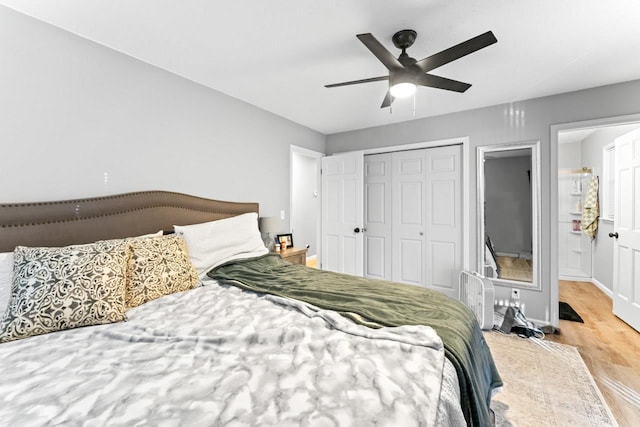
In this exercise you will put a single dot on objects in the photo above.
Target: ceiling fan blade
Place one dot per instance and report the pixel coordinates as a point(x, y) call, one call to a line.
point(355, 82)
point(438, 82)
point(455, 52)
point(388, 99)
point(380, 51)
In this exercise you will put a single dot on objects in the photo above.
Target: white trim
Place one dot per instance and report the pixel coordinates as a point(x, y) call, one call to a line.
point(602, 287)
point(608, 200)
point(466, 204)
point(553, 205)
point(536, 209)
point(305, 151)
point(418, 145)
point(570, 278)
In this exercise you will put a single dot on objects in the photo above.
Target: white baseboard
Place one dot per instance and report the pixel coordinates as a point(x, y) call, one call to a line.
point(509, 254)
point(602, 287)
point(539, 322)
point(575, 278)
point(597, 284)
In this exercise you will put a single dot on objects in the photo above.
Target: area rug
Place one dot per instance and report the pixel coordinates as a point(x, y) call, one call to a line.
point(568, 313)
point(545, 384)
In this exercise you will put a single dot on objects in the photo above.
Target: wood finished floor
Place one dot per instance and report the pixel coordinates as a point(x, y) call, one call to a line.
point(609, 347)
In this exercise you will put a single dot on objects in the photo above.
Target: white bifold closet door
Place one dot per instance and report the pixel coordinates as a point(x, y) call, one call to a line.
point(413, 203)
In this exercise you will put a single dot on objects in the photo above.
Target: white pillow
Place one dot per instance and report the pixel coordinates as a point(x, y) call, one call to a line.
point(6, 278)
point(213, 243)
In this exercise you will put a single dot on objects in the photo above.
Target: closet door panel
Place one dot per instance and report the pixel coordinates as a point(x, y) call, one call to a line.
point(408, 214)
point(377, 199)
point(375, 257)
point(443, 259)
point(443, 203)
point(410, 205)
point(411, 264)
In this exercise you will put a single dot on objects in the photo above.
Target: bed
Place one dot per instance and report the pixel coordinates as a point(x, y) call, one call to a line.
point(188, 321)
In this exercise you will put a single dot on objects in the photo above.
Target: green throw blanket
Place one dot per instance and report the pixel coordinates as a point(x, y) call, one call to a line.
point(376, 302)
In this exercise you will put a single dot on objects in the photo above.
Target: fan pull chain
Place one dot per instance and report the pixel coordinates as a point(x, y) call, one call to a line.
point(414, 105)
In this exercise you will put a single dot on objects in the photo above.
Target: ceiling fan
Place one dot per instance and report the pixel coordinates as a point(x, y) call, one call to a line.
point(405, 73)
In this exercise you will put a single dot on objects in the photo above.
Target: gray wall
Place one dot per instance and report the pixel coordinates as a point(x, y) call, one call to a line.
point(78, 119)
point(493, 125)
point(570, 155)
point(508, 204)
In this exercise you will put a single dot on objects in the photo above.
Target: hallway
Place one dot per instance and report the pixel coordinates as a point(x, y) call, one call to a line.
point(608, 346)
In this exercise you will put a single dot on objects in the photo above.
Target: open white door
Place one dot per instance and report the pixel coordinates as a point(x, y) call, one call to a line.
point(343, 213)
point(626, 252)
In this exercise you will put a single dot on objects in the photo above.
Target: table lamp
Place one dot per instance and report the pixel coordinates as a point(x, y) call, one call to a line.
point(268, 227)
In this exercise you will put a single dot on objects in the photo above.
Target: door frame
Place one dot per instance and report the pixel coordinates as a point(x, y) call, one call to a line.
point(464, 141)
point(554, 252)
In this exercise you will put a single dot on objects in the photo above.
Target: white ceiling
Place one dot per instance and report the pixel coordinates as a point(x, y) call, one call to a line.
point(279, 54)
point(573, 136)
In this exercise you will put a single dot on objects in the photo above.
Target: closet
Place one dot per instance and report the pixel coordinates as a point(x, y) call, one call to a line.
point(574, 245)
point(413, 217)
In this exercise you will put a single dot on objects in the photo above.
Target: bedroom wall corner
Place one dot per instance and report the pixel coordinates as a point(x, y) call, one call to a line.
point(78, 119)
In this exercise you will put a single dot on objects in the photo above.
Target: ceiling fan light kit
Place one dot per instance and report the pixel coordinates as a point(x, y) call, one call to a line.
point(406, 73)
point(401, 84)
point(402, 90)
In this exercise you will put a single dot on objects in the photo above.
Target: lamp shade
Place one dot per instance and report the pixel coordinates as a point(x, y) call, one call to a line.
point(268, 224)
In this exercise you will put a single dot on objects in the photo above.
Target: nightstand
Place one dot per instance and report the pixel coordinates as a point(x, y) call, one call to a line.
point(294, 255)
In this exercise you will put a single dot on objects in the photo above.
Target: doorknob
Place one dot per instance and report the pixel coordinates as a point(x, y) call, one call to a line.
point(356, 230)
point(613, 235)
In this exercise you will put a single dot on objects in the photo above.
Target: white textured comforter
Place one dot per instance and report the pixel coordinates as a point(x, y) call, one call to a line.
point(221, 356)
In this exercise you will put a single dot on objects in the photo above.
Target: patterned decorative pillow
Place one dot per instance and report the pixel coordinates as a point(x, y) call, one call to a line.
point(158, 266)
point(61, 288)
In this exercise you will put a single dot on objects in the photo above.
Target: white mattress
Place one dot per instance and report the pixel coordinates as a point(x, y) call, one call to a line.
point(217, 355)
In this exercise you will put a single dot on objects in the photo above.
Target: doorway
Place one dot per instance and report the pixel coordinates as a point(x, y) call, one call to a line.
point(305, 199)
point(581, 156)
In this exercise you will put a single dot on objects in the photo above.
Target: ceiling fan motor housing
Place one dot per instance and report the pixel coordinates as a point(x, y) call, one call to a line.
point(401, 76)
point(403, 39)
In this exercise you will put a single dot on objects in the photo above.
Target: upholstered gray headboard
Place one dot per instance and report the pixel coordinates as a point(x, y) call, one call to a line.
point(66, 222)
